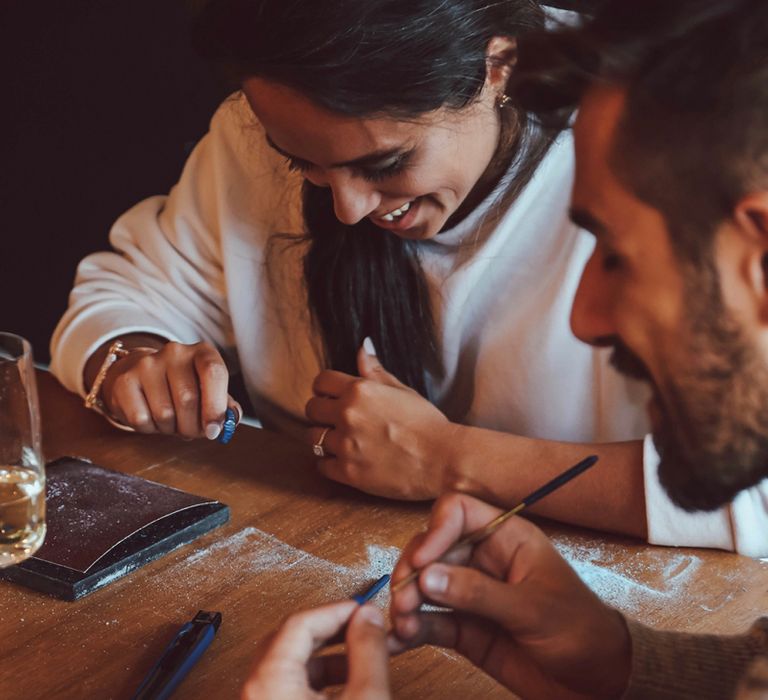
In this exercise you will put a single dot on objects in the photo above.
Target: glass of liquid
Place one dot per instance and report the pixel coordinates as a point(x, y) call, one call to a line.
point(22, 473)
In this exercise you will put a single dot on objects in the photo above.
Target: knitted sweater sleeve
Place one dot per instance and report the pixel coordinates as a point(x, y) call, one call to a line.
point(680, 666)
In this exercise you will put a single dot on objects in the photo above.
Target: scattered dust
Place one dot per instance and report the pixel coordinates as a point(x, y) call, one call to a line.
point(645, 584)
point(118, 573)
point(256, 552)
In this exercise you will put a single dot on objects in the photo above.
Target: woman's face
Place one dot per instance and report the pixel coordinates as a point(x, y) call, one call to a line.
point(408, 177)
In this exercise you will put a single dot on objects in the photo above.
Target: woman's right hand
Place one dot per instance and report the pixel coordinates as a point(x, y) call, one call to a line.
point(175, 390)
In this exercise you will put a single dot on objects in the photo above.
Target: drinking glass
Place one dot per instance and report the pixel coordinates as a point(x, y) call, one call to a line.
point(22, 474)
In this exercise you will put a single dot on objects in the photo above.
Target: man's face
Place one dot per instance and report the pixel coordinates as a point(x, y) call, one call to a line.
point(688, 331)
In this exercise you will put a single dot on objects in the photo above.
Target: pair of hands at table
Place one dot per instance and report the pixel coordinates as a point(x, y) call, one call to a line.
point(519, 612)
point(377, 422)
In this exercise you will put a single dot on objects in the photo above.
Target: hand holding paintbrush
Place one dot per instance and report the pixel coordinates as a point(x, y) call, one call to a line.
point(481, 533)
point(509, 603)
point(491, 527)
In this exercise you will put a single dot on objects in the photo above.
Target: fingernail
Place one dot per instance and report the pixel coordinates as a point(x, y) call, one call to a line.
point(369, 347)
point(372, 616)
point(212, 431)
point(435, 579)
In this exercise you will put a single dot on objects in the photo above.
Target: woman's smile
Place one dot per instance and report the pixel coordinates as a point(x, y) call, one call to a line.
point(400, 219)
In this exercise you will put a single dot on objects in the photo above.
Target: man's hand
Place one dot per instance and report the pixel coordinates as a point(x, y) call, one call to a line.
point(384, 437)
point(520, 612)
point(288, 669)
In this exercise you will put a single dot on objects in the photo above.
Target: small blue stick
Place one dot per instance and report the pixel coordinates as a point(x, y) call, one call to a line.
point(228, 427)
point(372, 591)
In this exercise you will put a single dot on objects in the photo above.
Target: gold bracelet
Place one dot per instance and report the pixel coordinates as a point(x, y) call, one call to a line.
point(116, 351)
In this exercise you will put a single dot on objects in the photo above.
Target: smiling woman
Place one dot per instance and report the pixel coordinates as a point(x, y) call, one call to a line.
point(378, 238)
point(390, 110)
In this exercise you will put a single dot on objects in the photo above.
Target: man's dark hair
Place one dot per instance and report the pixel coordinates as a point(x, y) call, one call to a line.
point(693, 138)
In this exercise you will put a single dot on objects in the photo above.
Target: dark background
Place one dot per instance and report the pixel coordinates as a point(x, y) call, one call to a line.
point(102, 101)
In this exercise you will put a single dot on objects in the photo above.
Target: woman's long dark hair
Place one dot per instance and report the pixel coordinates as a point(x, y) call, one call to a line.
point(399, 58)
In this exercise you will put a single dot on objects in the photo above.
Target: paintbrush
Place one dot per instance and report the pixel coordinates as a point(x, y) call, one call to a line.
point(496, 523)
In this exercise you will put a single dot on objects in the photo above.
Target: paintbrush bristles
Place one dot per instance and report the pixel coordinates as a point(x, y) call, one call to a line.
point(496, 523)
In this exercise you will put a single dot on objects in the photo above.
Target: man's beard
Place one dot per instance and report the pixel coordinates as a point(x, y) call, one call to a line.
point(712, 435)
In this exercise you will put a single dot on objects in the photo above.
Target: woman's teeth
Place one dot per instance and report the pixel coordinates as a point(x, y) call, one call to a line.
point(397, 213)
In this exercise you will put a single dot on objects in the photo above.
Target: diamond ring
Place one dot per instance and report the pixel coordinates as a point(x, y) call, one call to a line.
point(317, 448)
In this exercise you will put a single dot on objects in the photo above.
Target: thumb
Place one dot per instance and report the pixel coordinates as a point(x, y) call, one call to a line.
point(468, 590)
point(369, 367)
point(367, 655)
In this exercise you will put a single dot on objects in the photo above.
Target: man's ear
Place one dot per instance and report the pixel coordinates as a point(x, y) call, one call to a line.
point(751, 219)
point(751, 214)
point(500, 59)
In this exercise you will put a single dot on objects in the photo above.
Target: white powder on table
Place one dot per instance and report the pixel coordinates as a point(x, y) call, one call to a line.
point(646, 583)
point(620, 586)
point(255, 551)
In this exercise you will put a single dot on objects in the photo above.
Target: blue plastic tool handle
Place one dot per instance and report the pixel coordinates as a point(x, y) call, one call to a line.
point(191, 659)
point(159, 684)
point(228, 427)
point(372, 591)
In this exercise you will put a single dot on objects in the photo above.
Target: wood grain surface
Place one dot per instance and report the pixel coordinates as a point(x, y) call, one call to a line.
point(295, 540)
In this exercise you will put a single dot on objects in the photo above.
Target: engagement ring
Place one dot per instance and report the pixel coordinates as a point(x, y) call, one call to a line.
point(317, 448)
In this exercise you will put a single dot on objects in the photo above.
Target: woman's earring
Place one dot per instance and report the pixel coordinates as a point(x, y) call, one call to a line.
point(503, 100)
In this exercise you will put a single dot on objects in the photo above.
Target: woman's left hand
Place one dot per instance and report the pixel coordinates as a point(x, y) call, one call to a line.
point(383, 437)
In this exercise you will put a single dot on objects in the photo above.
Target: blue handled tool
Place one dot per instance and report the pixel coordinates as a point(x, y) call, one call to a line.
point(179, 657)
point(228, 427)
point(372, 591)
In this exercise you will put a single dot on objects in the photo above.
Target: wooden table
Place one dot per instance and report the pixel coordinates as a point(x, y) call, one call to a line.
point(295, 540)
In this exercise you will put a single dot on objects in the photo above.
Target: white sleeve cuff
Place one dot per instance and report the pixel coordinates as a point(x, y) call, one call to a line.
point(741, 526)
